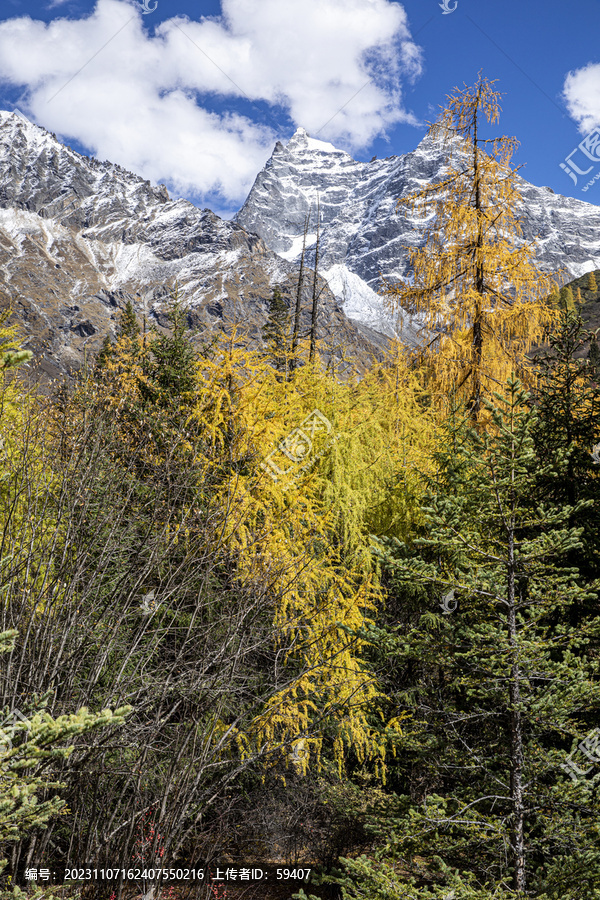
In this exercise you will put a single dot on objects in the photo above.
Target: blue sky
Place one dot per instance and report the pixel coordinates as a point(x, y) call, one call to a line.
point(195, 93)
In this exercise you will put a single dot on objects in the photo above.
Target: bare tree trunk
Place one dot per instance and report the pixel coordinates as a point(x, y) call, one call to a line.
point(299, 296)
point(315, 296)
point(516, 729)
point(479, 283)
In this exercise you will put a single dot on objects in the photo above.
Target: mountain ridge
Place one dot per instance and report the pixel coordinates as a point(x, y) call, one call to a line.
point(79, 237)
point(365, 239)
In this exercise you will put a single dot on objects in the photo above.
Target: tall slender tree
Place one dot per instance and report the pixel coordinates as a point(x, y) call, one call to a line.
point(276, 331)
point(474, 281)
point(298, 308)
point(315, 292)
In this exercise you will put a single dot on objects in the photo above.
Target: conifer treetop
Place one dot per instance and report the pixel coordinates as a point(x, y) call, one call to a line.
point(482, 299)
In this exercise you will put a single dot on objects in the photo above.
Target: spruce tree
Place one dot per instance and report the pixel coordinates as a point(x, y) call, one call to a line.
point(594, 355)
point(103, 357)
point(172, 370)
point(567, 428)
point(128, 326)
point(500, 686)
point(28, 745)
point(315, 293)
point(554, 299)
point(276, 330)
point(298, 307)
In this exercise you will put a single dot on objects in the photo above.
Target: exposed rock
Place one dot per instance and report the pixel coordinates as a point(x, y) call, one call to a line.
point(78, 238)
point(365, 238)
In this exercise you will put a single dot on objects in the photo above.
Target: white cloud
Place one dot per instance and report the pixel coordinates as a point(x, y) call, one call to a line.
point(582, 96)
point(161, 104)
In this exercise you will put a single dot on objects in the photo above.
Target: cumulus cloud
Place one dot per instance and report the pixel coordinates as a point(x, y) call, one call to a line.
point(199, 104)
point(582, 96)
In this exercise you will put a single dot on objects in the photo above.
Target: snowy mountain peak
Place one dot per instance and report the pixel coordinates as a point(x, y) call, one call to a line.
point(79, 237)
point(302, 141)
point(366, 239)
point(40, 174)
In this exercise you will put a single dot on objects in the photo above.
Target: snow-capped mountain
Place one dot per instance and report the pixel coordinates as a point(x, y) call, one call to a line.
point(78, 237)
point(365, 239)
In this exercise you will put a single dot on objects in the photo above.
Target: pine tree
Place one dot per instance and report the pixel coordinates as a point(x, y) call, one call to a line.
point(594, 355)
point(315, 292)
point(591, 282)
point(296, 329)
point(276, 330)
point(128, 326)
point(103, 357)
point(554, 299)
point(499, 689)
point(476, 286)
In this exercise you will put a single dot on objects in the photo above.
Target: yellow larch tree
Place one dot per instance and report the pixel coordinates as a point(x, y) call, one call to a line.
point(302, 521)
point(474, 282)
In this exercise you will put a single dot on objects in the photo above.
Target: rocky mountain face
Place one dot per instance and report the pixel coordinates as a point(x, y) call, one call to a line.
point(365, 239)
point(79, 237)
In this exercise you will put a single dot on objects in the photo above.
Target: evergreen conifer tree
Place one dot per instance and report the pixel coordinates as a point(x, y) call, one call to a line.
point(172, 371)
point(594, 355)
point(566, 300)
point(128, 326)
point(28, 745)
point(103, 357)
point(567, 428)
point(500, 685)
point(298, 307)
point(554, 299)
point(276, 330)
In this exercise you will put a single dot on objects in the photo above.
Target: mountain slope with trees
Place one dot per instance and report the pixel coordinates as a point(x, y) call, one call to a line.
point(259, 608)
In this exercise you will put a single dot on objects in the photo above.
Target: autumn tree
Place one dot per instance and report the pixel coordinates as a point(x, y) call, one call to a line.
point(474, 281)
point(591, 282)
point(11, 355)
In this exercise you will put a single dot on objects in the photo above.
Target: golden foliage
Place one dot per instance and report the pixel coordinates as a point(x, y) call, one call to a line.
point(475, 283)
point(305, 529)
